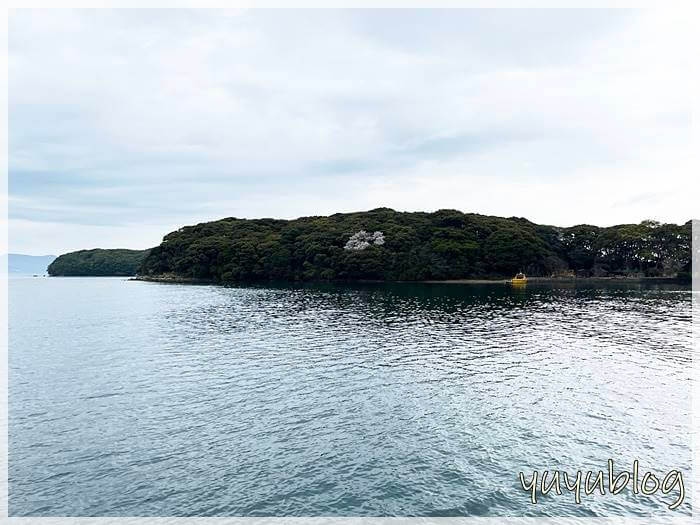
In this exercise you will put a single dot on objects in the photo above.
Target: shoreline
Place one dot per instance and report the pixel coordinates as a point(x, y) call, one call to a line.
point(547, 280)
point(539, 280)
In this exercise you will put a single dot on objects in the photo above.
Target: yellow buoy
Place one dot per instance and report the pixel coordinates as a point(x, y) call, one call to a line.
point(519, 279)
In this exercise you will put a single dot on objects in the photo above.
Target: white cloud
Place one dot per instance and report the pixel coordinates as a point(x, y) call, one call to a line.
point(135, 120)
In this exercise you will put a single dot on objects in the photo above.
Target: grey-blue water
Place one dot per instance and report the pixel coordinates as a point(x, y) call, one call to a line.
point(142, 399)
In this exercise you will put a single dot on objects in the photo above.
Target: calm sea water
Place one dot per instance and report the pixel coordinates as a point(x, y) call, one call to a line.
point(142, 399)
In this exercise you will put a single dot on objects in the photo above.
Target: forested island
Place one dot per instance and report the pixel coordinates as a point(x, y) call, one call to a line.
point(384, 244)
point(98, 262)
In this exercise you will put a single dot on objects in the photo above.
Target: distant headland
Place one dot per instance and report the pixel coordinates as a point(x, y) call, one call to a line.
point(98, 263)
point(21, 264)
point(387, 245)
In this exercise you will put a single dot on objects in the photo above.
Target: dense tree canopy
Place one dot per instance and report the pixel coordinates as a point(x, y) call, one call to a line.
point(446, 244)
point(98, 263)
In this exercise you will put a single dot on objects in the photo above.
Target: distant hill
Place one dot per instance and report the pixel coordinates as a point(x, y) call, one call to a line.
point(18, 263)
point(98, 262)
point(384, 244)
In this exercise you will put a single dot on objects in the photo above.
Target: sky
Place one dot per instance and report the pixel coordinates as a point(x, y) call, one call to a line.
point(125, 125)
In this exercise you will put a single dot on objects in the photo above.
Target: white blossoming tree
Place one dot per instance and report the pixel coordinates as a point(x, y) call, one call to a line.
point(363, 239)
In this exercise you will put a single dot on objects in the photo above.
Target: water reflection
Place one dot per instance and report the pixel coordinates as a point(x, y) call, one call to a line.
point(368, 399)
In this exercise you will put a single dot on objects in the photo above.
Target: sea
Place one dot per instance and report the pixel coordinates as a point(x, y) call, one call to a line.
point(130, 398)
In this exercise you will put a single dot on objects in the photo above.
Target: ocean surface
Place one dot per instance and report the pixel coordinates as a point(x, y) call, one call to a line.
point(143, 399)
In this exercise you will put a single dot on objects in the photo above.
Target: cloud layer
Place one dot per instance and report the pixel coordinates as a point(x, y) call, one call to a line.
point(126, 124)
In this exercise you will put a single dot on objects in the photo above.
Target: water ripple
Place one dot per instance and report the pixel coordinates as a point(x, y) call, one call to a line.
point(138, 399)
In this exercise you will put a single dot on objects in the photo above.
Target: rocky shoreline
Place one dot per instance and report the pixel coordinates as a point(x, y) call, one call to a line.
point(175, 279)
point(171, 278)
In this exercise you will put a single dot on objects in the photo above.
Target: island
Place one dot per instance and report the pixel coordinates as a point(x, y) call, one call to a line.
point(98, 262)
point(388, 245)
point(21, 264)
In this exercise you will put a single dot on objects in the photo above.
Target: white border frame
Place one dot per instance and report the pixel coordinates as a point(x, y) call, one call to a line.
point(693, 11)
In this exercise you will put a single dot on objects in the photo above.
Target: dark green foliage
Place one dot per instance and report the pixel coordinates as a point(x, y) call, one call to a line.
point(581, 246)
point(446, 244)
point(98, 263)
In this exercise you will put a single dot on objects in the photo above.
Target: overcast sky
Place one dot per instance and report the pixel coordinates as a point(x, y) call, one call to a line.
point(127, 124)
